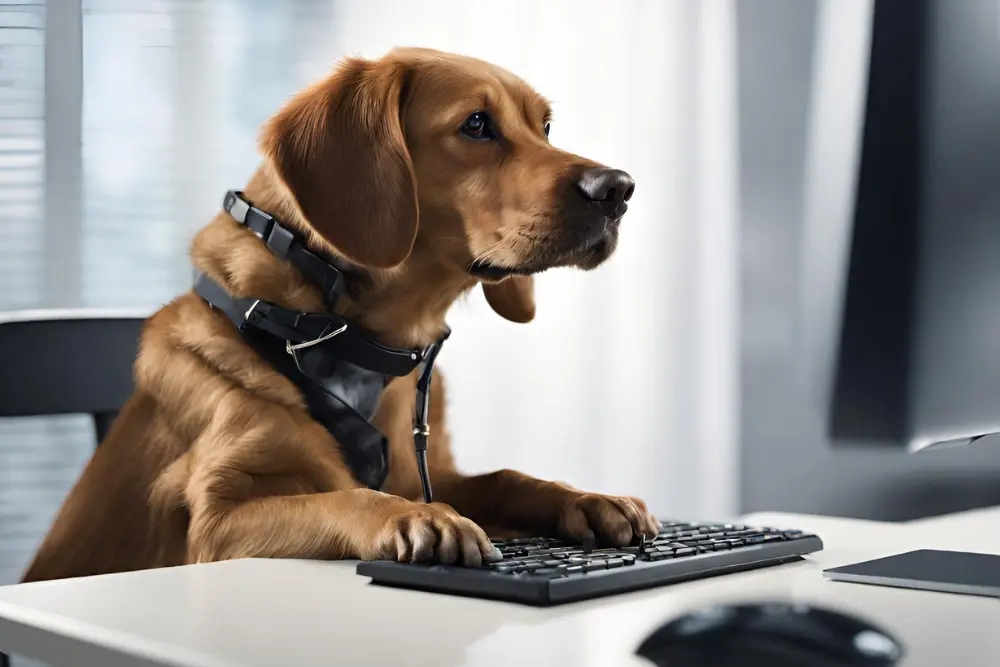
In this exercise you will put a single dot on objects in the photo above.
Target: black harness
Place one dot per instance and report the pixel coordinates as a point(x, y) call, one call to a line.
point(339, 369)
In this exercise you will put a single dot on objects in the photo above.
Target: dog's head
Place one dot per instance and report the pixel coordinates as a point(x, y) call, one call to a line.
point(440, 160)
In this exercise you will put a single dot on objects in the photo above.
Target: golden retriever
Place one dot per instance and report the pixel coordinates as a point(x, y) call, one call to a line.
point(425, 174)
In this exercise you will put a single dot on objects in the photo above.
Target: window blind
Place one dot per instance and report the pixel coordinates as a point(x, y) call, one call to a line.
point(22, 148)
point(27, 485)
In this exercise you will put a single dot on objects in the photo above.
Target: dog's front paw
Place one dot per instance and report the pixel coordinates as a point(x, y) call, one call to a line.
point(616, 519)
point(434, 533)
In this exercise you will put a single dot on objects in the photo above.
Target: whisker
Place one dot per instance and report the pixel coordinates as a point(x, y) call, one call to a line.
point(489, 251)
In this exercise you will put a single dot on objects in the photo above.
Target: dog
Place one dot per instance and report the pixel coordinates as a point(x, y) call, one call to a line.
point(425, 174)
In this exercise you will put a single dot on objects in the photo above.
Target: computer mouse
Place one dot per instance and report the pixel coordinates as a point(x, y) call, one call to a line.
point(770, 635)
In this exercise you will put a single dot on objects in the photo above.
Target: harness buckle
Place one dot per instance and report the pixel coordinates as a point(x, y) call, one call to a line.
point(260, 223)
point(279, 239)
point(290, 347)
point(236, 206)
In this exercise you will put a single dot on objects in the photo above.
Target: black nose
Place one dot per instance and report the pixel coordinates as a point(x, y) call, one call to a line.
point(608, 188)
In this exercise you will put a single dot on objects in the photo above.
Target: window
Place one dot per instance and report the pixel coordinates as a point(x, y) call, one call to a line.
point(173, 94)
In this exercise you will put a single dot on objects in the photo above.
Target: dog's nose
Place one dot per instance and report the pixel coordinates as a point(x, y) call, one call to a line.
point(608, 188)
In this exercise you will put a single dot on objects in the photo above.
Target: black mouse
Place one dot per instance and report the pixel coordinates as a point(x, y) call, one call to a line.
point(770, 635)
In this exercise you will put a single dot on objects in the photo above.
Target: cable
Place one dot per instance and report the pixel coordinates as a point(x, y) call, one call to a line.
point(421, 430)
point(425, 477)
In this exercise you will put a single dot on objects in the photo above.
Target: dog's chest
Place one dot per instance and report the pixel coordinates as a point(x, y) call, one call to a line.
point(343, 398)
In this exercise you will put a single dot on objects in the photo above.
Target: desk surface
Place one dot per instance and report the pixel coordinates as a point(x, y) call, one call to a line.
point(253, 613)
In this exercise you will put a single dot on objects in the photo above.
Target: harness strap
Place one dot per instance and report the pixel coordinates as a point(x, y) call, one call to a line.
point(325, 355)
point(298, 328)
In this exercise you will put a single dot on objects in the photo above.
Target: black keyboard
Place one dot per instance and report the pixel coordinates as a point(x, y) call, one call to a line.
point(546, 571)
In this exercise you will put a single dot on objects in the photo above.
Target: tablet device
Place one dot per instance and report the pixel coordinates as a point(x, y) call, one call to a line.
point(928, 570)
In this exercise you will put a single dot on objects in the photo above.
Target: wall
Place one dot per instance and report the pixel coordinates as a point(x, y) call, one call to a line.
point(788, 462)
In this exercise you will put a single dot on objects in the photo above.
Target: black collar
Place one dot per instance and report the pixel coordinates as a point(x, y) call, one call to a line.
point(286, 245)
point(339, 368)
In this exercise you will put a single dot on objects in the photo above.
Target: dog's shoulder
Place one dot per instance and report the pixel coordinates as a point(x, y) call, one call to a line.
point(191, 359)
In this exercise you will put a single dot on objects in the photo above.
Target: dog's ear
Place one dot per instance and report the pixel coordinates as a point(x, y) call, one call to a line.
point(339, 148)
point(512, 298)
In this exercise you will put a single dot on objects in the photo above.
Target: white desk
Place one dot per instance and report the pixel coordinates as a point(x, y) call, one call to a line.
point(299, 613)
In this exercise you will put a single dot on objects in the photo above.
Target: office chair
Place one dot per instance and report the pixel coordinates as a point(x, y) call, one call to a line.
point(67, 362)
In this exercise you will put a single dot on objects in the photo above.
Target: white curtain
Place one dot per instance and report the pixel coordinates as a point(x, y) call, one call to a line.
point(626, 381)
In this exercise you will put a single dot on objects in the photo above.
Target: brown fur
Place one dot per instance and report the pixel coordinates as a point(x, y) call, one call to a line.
point(215, 455)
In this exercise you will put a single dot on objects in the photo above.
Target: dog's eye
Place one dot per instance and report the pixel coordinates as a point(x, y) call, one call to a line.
point(479, 126)
point(546, 128)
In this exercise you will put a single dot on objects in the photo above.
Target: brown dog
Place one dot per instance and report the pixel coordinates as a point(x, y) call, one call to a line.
point(425, 173)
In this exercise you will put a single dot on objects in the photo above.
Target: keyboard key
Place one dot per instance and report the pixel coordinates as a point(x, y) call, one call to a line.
point(567, 550)
point(694, 543)
point(684, 551)
point(615, 562)
point(674, 526)
point(660, 555)
point(628, 559)
point(574, 569)
point(595, 565)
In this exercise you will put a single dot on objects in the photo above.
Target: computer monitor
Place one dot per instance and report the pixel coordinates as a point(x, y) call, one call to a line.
point(901, 274)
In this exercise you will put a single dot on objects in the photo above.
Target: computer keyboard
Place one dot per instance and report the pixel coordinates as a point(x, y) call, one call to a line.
point(546, 571)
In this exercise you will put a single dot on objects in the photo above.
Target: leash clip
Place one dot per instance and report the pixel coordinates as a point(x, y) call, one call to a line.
point(290, 348)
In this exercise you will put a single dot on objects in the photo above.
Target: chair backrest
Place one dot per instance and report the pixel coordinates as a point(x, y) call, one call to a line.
point(68, 362)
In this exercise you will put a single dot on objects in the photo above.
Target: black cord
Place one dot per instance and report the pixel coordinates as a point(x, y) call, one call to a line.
point(425, 476)
point(421, 430)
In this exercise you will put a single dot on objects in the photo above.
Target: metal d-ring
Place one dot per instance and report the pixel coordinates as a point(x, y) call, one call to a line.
point(290, 348)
